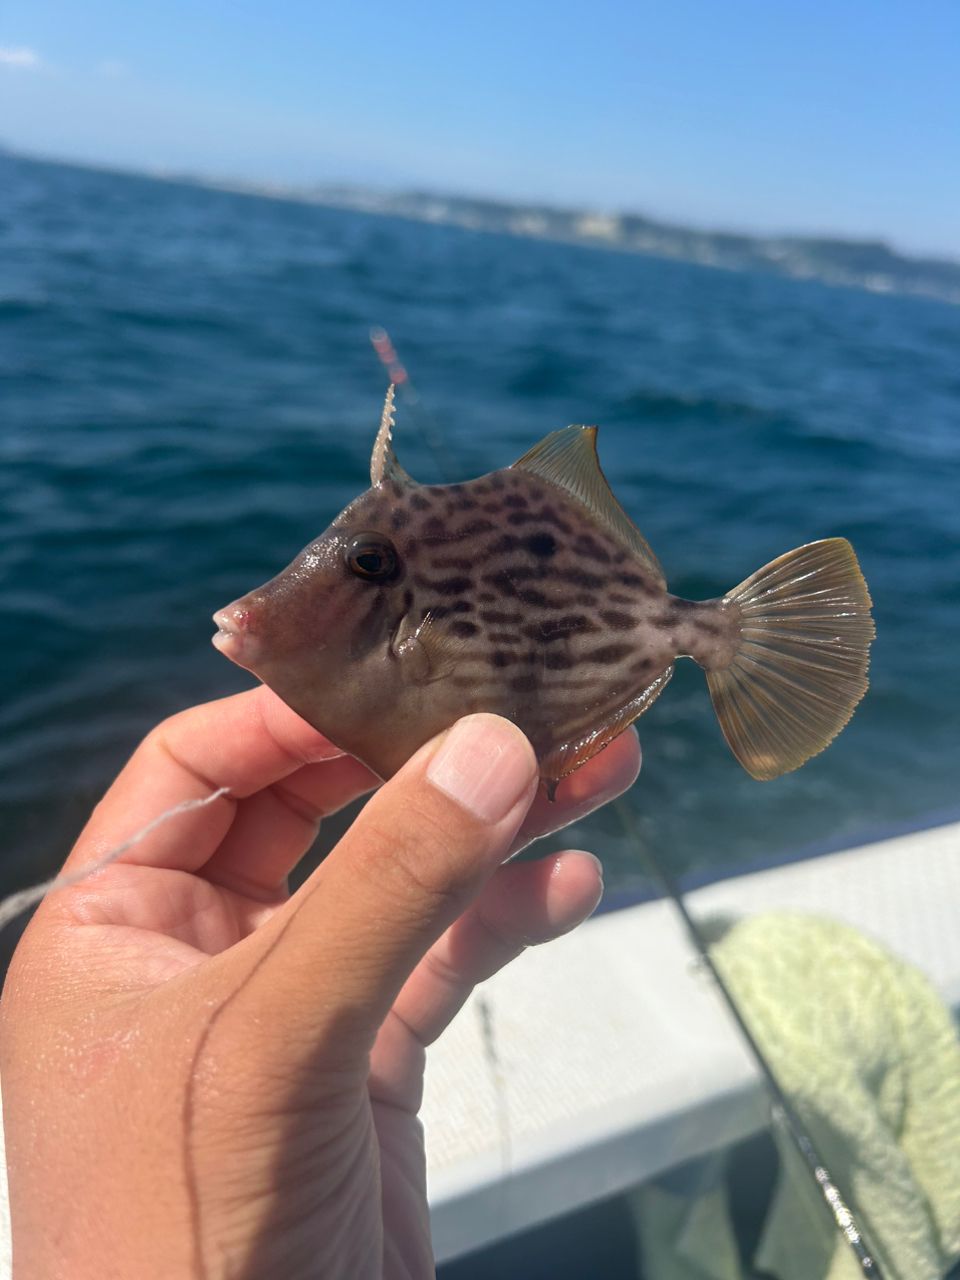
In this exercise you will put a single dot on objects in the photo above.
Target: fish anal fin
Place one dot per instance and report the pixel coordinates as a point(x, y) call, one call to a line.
point(800, 666)
point(568, 458)
point(565, 759)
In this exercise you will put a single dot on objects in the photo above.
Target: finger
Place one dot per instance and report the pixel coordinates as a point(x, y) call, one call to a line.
point(523, 905)
point(274, 828)
point(245, 742)
point(414, 859)
point(604, 777)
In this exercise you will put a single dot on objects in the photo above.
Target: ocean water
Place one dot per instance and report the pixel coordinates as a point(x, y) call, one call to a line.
point(189, 395)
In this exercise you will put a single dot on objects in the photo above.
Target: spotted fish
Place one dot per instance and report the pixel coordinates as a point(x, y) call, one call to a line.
point(530, 593)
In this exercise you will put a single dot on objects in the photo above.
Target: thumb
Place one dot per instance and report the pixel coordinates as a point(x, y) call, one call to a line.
point(335, 956)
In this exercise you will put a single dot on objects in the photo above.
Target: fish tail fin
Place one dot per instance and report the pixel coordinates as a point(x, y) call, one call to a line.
point(800, 664)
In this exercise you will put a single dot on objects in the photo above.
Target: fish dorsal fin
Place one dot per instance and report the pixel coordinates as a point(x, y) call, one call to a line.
point(383, 461)
point(568, 458)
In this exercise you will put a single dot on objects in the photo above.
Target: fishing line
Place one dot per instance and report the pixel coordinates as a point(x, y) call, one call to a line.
point(783, 1113)
point(12, 905)
point(484, 1010)
point(397, 372)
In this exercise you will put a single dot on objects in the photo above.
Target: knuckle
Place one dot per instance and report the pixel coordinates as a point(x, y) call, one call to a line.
point(420, 859)
point(444, 971)
point(299, 806)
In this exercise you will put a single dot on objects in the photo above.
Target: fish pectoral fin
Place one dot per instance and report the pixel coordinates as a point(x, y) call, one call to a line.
point(426, 649)
point(568, 458)
point(572, 755)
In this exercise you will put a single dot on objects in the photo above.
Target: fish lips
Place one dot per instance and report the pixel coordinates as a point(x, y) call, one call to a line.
point(234, 638)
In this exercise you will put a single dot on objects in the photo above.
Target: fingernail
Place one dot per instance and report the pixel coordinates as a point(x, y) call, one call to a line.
point(564, 911)
point(585, 853)
point(485, 764)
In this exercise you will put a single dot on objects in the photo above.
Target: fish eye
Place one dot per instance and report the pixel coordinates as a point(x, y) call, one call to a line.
point(371, 556)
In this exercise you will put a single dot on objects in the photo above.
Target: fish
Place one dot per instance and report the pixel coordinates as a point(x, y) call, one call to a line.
point(530, 593)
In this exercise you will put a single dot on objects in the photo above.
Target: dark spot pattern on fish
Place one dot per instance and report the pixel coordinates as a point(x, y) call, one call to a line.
point(503, 658)
point(549, 629)
point(463, 563)
point(542, 545)
point(585, 545)
point(617, 620)
point(504, 545)
point(608, 653)
point(464, 630)
point(461, 504)
point(454, 586)
point(641, 583)
point(468, 681)
point(440, 611)
point(546, 516)
point(524, 684)
point(519, 573)
point(558, 660)
point(581, 578)
point(501, 617)
point(436, 531)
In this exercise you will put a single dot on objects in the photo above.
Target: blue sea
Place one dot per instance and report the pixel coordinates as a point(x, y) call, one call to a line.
point(189, 395)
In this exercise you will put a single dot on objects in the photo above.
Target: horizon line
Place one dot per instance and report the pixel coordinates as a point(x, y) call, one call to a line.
point(322, 192)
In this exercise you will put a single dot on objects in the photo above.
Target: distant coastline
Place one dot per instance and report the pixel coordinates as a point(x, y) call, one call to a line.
point(874, 265)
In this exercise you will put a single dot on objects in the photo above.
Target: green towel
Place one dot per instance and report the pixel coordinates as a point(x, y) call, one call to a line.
point(869, 1055)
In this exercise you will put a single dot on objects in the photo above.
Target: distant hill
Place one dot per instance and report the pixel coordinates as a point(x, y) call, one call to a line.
point(865, 264)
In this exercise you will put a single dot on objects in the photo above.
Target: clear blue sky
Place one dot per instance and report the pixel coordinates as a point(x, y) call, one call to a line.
point(773, 115)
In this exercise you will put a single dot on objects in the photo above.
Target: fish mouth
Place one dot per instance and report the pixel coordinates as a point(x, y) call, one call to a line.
point(233, 637)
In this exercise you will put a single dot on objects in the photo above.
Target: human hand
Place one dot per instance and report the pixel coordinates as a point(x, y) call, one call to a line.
point(204, 1076)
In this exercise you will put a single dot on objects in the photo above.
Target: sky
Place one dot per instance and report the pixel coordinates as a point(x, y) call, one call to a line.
point(810, 116)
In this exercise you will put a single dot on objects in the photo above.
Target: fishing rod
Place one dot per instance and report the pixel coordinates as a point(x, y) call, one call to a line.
point(783, 1112)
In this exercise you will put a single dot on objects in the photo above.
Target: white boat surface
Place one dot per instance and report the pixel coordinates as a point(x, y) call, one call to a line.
point(606, 1058)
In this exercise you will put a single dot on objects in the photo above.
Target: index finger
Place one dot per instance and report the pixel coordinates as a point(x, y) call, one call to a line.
point(245, 742)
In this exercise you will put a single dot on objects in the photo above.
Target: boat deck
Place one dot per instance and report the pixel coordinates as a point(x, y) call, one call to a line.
point(606, 1058)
